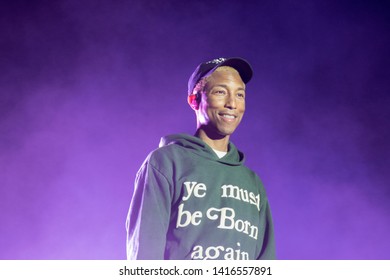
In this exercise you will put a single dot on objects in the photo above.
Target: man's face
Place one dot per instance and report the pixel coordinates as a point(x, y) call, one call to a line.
point(222, 103)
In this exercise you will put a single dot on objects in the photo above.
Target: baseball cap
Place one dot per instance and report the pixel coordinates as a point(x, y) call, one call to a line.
point(207, 68)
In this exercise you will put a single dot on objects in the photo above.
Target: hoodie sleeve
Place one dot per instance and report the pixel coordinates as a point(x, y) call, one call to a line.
point(148, 218)
point(268, 247)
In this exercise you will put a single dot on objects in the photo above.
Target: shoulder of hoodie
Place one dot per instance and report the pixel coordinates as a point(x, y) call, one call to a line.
point(165, 153)
point(168, 154)
point(164, 158)
point(169, 150)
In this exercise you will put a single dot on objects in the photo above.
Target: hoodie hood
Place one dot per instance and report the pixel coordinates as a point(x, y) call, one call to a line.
point(199, 147)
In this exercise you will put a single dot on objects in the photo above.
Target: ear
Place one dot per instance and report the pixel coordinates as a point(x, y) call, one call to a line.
point(193, 101)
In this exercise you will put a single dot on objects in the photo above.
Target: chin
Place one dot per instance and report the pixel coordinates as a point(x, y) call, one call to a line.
point(226, 132)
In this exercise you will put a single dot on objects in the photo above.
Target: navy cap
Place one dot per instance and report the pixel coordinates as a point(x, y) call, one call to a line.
point(207, 68)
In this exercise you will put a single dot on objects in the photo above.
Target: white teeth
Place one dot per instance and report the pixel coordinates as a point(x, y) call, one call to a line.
point(228, 116)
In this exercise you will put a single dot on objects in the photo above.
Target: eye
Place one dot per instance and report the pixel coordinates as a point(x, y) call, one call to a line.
point(220, 92)
point(241, 95)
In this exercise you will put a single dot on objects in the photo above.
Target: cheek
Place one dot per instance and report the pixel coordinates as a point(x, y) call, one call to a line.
point(207, 104)
point(215, 104)
point(241, 107)
point(203, 112)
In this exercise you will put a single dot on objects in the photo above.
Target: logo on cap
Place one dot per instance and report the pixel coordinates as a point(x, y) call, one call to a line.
point(217, 60)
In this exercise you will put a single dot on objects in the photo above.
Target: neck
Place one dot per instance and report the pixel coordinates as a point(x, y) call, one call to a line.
point(217, 142)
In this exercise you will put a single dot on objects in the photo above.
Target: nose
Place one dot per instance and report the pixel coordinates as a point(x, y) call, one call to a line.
point(230, 102)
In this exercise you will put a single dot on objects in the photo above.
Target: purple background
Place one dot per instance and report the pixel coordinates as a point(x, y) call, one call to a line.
point(89, 87)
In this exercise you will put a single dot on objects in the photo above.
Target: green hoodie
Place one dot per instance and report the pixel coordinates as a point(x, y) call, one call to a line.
point(190, 204)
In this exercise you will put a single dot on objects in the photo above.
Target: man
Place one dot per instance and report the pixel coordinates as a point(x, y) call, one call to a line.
point(193, 196)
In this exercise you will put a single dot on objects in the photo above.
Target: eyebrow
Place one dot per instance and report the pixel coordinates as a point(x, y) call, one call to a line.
point(226, 87)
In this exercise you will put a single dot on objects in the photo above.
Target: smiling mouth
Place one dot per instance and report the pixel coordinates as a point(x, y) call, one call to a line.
point(228, 117)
